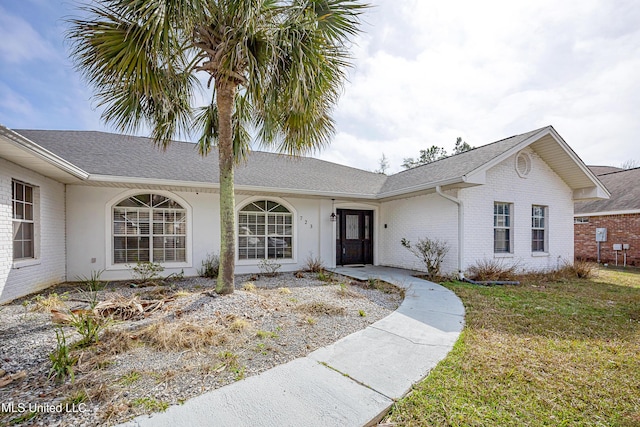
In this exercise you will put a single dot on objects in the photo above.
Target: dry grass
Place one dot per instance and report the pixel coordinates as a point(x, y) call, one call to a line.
point(542, 353)
point(249, 287)
point(181, 335)
point(284, 291)
point(321, 308)
point(239, 325)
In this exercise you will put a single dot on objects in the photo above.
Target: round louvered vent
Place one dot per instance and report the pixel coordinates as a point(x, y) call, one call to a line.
point(523, 164)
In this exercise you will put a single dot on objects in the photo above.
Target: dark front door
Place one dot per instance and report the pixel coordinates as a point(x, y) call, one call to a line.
point(354, 244)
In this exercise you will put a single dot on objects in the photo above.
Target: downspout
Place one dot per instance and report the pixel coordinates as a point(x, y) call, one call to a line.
point(460, 229)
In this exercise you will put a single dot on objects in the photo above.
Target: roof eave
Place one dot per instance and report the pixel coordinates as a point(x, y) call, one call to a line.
point(125, 180)
point(41, 153)
point(408, 191)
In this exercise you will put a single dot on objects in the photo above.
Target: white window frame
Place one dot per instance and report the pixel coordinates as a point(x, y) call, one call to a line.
point(294, 225)
point(21, 220)
point(539, 223)
point(503, 221)
point(109, 228)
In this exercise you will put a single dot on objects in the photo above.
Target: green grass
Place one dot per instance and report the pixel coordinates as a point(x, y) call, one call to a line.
point(555, 354)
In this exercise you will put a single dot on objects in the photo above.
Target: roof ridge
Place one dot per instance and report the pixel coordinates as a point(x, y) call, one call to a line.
point(474, 149)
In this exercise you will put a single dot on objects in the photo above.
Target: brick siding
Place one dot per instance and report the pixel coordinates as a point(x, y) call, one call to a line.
point(620, 229)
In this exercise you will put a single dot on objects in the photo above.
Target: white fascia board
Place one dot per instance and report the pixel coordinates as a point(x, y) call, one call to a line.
point(505, 155)
point(608, 213)
point(36, 150)
point(210, 185)
point(421, 187)
point(602, 191)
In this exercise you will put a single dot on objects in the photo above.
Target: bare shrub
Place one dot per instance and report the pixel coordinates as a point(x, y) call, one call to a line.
point(430, 251)
point(314, 264)
point(210, 266)
point(492, 269)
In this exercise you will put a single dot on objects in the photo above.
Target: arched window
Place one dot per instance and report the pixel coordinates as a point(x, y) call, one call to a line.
point(149, 227)
point(265, 230)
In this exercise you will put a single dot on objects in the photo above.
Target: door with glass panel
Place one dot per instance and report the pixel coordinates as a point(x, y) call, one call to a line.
point(354, 244)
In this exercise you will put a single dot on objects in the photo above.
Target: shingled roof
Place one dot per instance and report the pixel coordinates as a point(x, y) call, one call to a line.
point(624, 186)
point(108, 157)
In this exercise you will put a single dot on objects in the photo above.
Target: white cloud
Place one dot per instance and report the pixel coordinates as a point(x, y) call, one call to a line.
point(21, 42)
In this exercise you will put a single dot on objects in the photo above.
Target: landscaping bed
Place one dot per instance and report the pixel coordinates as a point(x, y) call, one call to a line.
point(160, 345)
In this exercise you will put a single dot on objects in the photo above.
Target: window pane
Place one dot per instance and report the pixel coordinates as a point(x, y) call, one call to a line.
point(28, 194)
point(352, 224)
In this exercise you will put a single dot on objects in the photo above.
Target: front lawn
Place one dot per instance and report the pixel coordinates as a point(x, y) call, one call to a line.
point(560, 354)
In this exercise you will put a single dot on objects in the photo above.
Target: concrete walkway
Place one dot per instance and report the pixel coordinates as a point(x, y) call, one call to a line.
point(349, 383)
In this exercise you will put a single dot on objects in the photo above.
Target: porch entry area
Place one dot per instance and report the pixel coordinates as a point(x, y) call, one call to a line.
point(354, 232)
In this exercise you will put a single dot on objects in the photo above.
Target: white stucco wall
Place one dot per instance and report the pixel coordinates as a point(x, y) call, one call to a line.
point(48, 267)
point(89, 230)
point(541, 187)
point(413, 218)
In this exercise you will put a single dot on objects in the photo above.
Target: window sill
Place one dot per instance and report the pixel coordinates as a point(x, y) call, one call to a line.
point(258, 261)
point(25, 263)
point(503, 255)
point(539, 254)
point(165, 265)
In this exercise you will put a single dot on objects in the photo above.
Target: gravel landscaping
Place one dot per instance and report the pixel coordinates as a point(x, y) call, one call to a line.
point(167, 343)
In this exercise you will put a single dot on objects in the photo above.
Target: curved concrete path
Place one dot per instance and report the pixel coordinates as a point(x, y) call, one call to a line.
point(349, 383)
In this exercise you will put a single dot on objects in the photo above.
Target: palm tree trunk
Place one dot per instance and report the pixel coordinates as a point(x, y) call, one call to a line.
point(225, 95)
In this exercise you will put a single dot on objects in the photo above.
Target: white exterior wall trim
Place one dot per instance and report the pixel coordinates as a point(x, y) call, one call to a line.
point(608, 213)
point(209, 185)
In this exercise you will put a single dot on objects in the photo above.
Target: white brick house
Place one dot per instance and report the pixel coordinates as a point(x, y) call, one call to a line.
point(73, 202)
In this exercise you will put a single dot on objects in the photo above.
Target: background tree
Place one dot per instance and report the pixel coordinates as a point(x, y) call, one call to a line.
point(435, 153)
point(383, 165)
point(426, 156)
point(630, 164)
point(461, 146)
point(277, 67)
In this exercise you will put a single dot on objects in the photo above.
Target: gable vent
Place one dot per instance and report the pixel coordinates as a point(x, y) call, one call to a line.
point(523, 164)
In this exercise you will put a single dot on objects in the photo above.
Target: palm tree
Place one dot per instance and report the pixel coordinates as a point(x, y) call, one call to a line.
point(277, 69)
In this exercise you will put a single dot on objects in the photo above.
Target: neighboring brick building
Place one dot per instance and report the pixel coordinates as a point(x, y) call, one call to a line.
point(620, 215)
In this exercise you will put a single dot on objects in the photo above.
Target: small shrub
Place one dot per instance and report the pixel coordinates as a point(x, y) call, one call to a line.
point(146, 271)
point(284, 291)
point(492, 269)
point(430, 251)
point(325, 276)
point(299, 275)
point(61, 361)
point(311, 320)
point(88, 325)
point(269, 267)
point(210, 266)
point(48, 303)
point(314, 264)
point(362, 313)
point(583, 269)
point(93, 282)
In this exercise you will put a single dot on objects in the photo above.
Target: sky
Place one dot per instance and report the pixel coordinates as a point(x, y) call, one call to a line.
point(425, 72)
